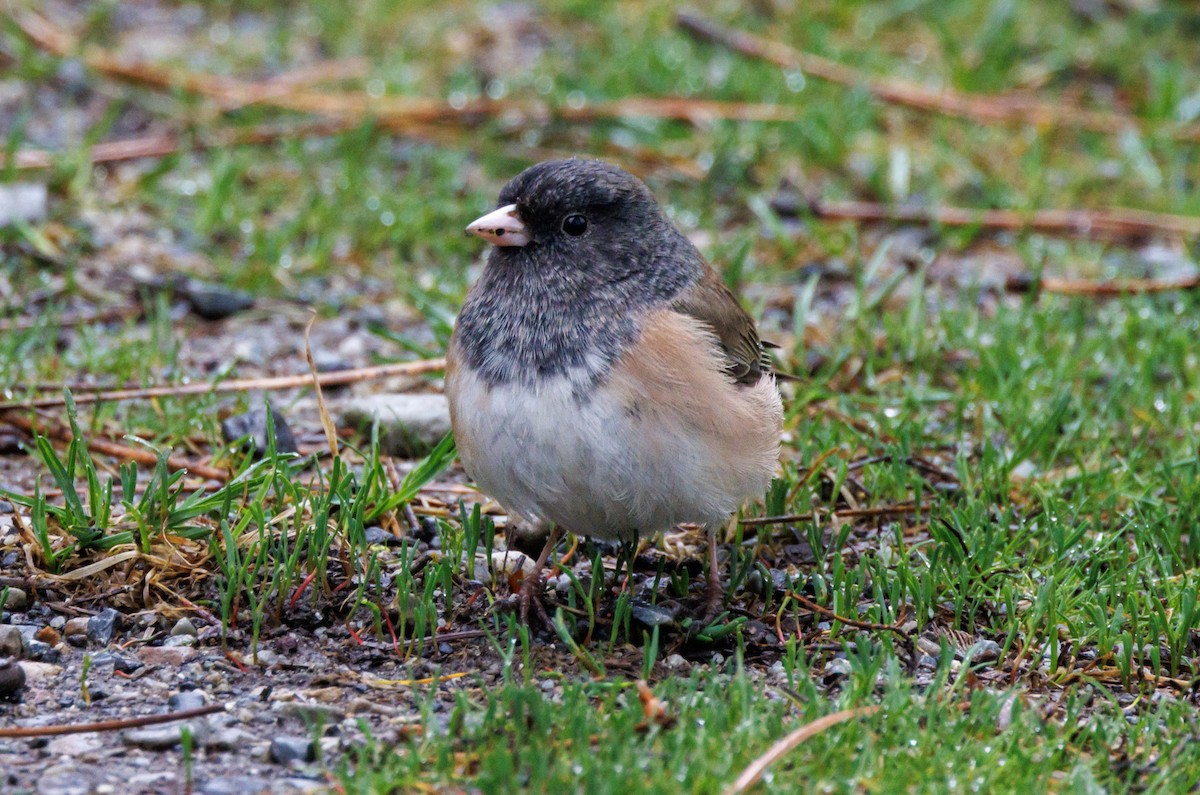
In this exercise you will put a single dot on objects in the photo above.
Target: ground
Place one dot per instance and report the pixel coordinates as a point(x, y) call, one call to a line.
point(977, 564)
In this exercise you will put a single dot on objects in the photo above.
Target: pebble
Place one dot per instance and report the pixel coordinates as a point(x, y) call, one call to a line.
point(12, 679)
point(254, 424)
point(64, 780)
point(984, 650)
point(229, 740)
point(232, 785)
point(126, 665)
point(174, 656)
point(16, 601)
point(188, 699)
point(48, 635)
point(184, 626)
point(377, 536)
point(214, 301)
point(675, 662)
point(22, 202)
point(838, 666)
point(43, 652)
point(102, 626)
point(40, 672)
point(13, 642)
point(75, 631)
point(179, 640)
point(649, 615)
point(162, 738)
point(409, 424)
point(287, 749)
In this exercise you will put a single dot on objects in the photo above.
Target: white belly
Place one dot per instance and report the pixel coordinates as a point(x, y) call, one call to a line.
point(608, 466)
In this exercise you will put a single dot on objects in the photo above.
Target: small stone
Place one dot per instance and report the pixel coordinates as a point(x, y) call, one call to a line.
point(40, 672)
point(229, 740)
point(162, 738)
point(267, 657)
point(233, 785)
point(13, 642)
point(179, 640)
point(254, 424)
point(675, 662)
point(288, 749)
point(12, 679)
point(75, 745)
point(838, 666)
point(377, 536)
point(984, 650)
point(22, 202)
point(75, 631)
point(184, 626)
point(188, 699)
point(649, 615)
point(43, 652)
point(126, 665)
point(48, 635)
point(102, 626)
point(410, 425)
point(64, 779)
point(214, 301)
point(171, 656)
point(16, 600)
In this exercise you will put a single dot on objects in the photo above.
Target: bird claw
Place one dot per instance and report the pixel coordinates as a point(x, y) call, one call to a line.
point(527, 599)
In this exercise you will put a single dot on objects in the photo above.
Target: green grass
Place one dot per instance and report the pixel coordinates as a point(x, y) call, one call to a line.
point(1060, 511)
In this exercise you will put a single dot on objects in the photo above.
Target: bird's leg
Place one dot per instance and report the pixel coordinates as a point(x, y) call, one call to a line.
point(714, 592)
point(533, 580)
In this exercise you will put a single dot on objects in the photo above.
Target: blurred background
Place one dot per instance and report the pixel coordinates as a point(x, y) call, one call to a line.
point(971, 225)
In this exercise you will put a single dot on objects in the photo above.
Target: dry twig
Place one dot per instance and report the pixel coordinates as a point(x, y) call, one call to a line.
point(1101, 289)
point(121, 451)
point(870, 626)
point(111, 725)
point(163, 144)
point(1113, 224)
point(981, 108)
point(844, 513)
point(395, 112)
point(754, 771)
point(332, 378)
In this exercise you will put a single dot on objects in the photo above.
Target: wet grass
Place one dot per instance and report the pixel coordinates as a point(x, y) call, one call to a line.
point(1049, 442)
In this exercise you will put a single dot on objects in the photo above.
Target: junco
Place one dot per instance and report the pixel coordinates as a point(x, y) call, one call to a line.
point(601, 377)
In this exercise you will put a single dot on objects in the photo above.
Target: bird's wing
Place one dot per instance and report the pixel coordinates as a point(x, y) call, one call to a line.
point(710, 301)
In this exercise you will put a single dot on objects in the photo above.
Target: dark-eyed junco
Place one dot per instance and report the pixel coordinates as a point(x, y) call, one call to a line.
point(602, 379)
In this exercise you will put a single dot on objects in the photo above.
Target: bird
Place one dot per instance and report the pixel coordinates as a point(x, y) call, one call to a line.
point(601, 377)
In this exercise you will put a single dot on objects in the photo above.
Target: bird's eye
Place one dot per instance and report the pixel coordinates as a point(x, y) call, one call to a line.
point(574, 224)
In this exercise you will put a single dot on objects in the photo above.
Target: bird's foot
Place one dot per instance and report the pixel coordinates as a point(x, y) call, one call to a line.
point(532, 591)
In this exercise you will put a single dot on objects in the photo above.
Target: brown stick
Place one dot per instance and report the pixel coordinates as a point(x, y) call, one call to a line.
point(1118, 223)
point(754, 771)
point(333, 378)
point(170, 143)
point(982, 108)
point(1098, 289)
point(101, 316)
point(850, 622)
point(844, 513)
point(392, 111)
point(112, 725)
point(105, 447)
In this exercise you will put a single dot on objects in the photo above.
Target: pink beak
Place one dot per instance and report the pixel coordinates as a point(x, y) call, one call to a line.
point(502, 227)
